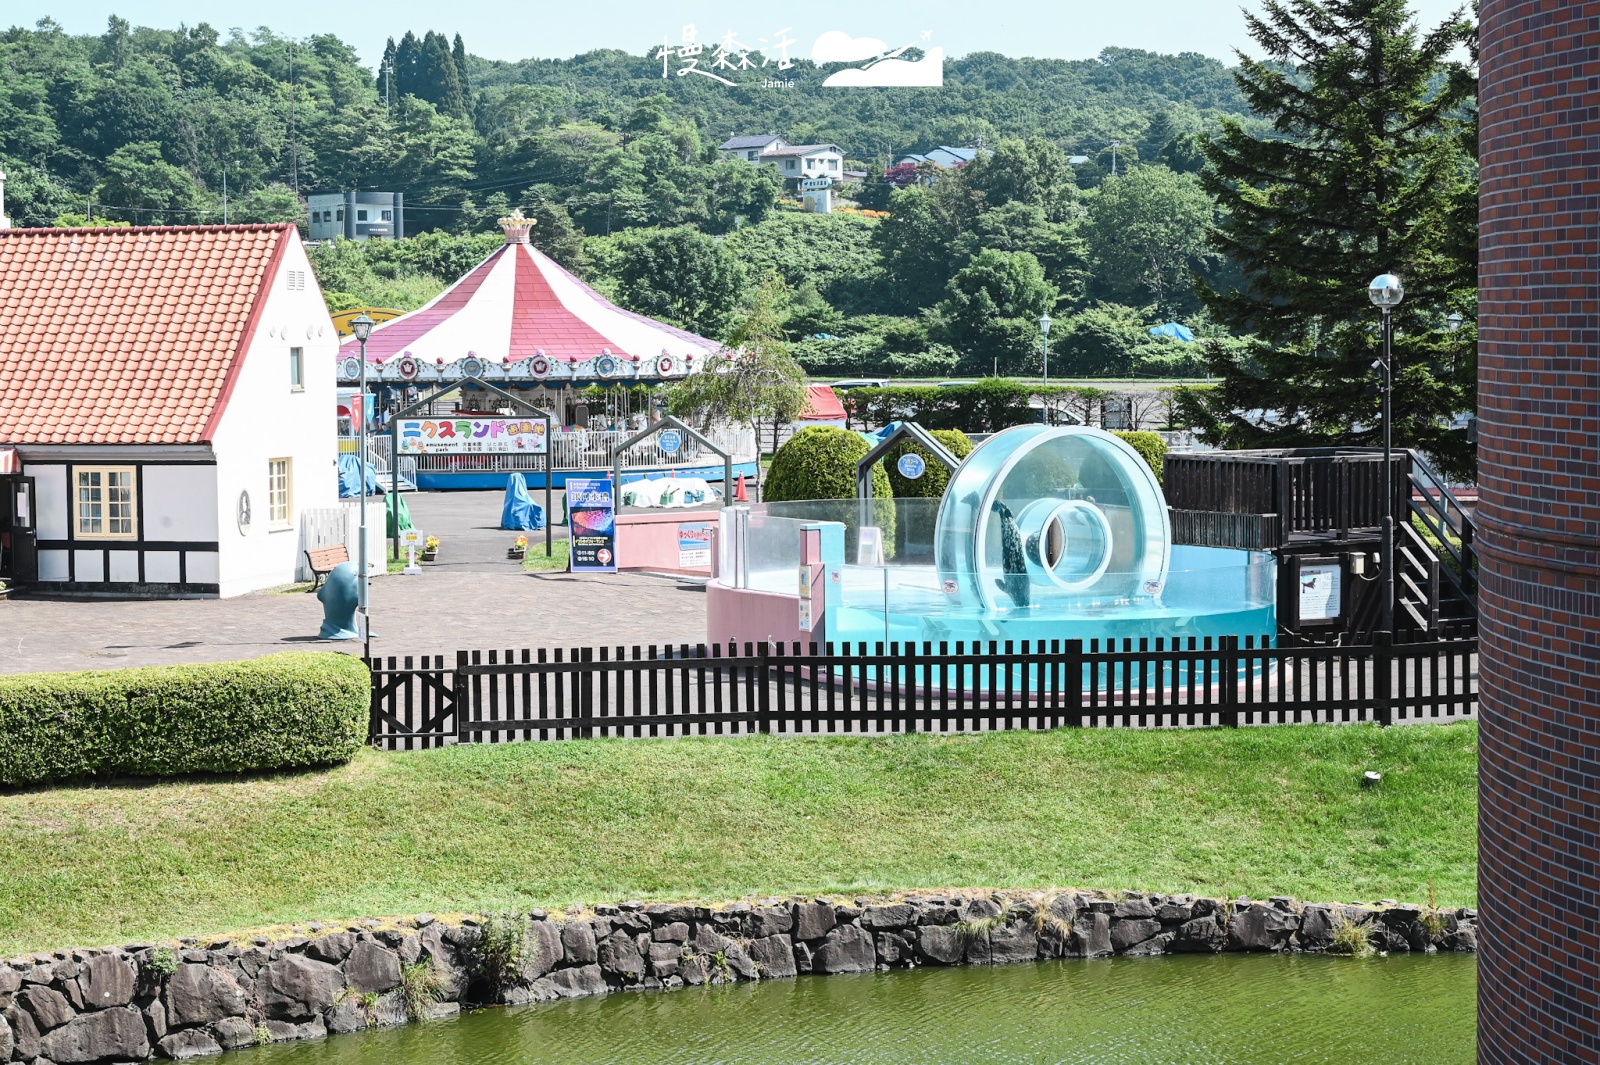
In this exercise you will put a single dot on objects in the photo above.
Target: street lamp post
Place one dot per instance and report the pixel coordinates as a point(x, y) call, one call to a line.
point(1386, 292)
point(1044, 342)
point(361, 325)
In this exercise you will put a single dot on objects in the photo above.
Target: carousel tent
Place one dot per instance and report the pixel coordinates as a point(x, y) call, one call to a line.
point(520, 319)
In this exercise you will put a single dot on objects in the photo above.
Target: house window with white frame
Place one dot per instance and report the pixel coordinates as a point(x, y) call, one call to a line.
point(297, 366)
point(106, 503)
point(280, 492)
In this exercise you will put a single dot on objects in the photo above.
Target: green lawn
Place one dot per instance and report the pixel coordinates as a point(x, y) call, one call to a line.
point(1257, 811)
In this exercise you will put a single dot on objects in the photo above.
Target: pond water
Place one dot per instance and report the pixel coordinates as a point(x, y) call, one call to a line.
point(1231, 1009)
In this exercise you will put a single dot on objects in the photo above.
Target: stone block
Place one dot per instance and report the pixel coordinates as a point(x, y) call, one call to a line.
point(297, 988)
point(332, 949)
point(940, 944)
point(200, 994)
point(739, 963)
point(846, 949)
point(673, 932)
point(105, 1035)
point(813, 920)
point(578, 942)
point(894, 948)
point(193, 1043)
point(665, 958)
point(1261, 926)
point(1202, 935)
point(768, 921)
point(345, 1016)
point(774, 955)
point(1127, 934)
point(234, 1033)
point(1316, 928)
point(49, 1007)
point(107, 980)
point(24, 1033)
point(1135, 909)
point(1012, 943)
point(541, 950)
point(371, 968)
point(620, 957)
point(1091, 935)
point(578, 982)
point(888, 918)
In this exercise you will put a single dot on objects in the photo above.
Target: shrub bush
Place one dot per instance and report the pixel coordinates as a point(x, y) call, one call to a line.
point(819, 462)
point(1151, 447)
point(932, 483)
point(285, 710)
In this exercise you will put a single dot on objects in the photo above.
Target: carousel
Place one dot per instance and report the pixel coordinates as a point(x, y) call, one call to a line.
point(522, 325)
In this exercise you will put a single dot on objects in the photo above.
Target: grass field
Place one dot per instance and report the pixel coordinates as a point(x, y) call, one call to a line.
point(1255, 811)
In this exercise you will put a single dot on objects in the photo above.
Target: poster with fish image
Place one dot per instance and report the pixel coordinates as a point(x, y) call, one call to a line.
point(591, 512)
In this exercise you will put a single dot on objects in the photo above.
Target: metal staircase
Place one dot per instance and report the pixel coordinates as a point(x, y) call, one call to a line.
point(1436, 558)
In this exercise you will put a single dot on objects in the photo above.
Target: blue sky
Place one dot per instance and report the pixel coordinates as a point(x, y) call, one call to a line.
point(497, 29)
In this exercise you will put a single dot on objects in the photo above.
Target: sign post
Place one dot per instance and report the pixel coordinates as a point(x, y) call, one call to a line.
point(592, 523)
point(412, 540)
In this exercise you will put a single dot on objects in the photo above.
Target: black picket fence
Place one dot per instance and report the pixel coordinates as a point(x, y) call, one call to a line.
point(545, 694)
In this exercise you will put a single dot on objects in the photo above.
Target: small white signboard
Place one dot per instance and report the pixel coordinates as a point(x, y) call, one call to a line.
point(412, 540)
point(1319, 592)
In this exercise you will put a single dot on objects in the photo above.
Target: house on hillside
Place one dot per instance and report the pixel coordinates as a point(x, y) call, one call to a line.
point(795, 162)
point(751, 149)
point(944, 157)
point(356, 215)
point(166, 408)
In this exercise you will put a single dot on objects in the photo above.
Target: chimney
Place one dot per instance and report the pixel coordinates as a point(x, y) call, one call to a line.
point(5, 223)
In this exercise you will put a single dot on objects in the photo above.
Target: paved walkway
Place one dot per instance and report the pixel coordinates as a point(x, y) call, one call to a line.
point(472, 598)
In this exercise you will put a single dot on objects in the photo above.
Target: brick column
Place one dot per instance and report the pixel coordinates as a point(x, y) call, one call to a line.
point(1539, 521)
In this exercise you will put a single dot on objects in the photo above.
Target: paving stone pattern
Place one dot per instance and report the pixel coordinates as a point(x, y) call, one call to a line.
point(472, 598)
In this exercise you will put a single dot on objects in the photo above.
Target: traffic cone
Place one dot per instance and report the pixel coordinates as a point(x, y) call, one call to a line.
point(740, 495)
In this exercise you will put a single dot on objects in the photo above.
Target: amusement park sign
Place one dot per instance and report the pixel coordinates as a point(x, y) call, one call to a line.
point(468, 436)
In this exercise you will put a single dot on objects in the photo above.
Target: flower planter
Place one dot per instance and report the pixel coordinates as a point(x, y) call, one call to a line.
point(429, 556)
point(513, 552)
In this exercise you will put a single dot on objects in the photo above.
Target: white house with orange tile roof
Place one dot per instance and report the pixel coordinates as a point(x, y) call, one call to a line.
point(168, 391)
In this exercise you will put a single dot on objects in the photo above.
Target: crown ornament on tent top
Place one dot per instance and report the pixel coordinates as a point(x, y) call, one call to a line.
point(516, 227)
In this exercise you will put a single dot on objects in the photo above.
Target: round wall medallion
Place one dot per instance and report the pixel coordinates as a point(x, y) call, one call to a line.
point(472, 366)
point(665, 365)
point(244, 514)
point(406, 367)
point(350, 368)
point(605, 366)
point(539, 366)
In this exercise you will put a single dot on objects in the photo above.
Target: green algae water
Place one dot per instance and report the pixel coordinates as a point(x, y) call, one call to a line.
point(1220, 1010)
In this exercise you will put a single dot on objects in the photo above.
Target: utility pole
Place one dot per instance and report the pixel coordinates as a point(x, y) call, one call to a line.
point(294, 148)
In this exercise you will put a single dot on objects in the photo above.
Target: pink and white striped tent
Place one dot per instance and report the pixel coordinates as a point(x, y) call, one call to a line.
point(517, 318)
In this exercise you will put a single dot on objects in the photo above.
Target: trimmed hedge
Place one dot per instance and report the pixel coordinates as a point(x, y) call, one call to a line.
point(1151, 447)
point(302, 708)
point(932, 483)
point(819, 462)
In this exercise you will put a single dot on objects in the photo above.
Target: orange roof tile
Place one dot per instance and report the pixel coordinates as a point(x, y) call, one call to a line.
point(94, 325)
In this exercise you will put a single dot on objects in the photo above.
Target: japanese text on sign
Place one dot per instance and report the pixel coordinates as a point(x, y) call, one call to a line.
point(466, 436)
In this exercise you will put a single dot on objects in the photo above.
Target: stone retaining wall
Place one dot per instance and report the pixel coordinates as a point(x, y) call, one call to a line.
point(140, 1000)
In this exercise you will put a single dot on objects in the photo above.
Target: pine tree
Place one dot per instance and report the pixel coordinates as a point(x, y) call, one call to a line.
point(407, 56)
point(1368, 168)
point(458, 53)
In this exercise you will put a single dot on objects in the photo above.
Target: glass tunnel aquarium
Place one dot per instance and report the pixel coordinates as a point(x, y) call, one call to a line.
point(1042, 534)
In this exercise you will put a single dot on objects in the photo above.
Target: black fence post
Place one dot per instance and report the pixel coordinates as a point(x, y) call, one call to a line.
point(764, 714)
point(1382, 664)
point(1228, 663)
point(458, 699)
point(1074, 683)
point(372, 704)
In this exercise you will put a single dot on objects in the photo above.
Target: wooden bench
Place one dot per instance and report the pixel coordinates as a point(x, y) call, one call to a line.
point(321, 561)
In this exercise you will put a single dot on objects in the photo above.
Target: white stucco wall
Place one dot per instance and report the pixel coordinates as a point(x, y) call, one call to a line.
point(265, 419)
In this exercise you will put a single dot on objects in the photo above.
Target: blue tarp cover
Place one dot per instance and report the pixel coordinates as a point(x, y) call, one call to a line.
point(1173, 330)
point(520, 511)
point(350, 478)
